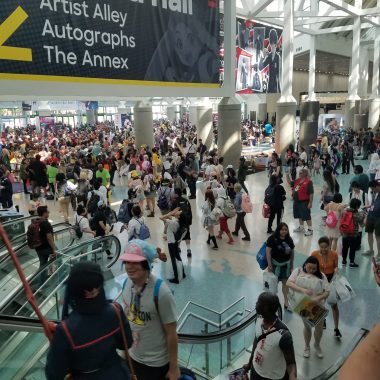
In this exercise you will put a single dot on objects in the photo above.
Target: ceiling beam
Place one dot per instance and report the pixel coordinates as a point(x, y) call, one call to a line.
point(317, 20)
point(257, 8)
point(339, 29)
point(370, 11)
point(343, 6)
point(280, 24)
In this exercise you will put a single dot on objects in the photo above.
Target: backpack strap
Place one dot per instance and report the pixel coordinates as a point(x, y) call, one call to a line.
point(156, 291)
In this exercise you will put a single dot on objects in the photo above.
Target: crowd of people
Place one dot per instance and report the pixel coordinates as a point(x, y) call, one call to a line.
point(77, 168)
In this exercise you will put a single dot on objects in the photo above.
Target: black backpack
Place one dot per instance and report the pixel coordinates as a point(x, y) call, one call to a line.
point(269, 196)
point(124, 214)
point(187, 214)
point(93, 202)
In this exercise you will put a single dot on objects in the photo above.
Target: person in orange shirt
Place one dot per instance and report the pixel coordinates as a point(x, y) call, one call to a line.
point(328, 262)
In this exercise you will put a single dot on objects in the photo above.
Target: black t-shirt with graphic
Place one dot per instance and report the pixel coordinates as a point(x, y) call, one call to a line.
point(281, 248)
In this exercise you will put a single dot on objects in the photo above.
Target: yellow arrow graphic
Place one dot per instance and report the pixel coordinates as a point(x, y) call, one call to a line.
point(7, 28)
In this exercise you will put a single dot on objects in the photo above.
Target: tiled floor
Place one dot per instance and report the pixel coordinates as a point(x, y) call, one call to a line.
point(218, 278)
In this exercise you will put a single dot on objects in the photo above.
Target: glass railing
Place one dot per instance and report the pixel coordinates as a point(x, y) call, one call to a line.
point(9, 280)
point(21, 351)
point(27, 360)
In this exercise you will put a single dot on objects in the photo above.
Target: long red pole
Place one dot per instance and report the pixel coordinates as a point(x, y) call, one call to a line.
point(28, 290)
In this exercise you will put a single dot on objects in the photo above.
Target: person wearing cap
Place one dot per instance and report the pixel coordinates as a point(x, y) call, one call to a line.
point(103, 174)
point(153, 320)
point(85, 343)
point(373, 219)
point(137, 185)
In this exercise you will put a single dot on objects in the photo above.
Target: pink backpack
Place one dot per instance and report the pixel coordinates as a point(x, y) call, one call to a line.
point(331, 219)
point(246, 204)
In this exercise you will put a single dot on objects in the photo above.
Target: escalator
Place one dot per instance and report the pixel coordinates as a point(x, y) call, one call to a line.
point(9, 282)
point(28, 360)
point(20, 346)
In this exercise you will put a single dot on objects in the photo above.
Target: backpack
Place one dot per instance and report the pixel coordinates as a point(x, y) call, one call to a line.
point(162, 201)
point(187, 214)
point(144, 231)
point(269, 196)
point(246, 204)
point(347, 224)
point(156, 291)
point(180, 234)
point(93, 202)
point(187, 374)
point(124, 214)
point(33, 237)
point(76, 230)
point(331, 219)
point(93, 224)
point(229, 210)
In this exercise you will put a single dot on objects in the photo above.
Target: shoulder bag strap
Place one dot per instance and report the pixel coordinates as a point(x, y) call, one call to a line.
point(122, 330)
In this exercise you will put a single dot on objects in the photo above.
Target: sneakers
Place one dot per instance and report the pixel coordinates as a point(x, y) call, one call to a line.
point(306, 352)
point(344, 263)
point(246, 238)
point(354, 265)
point(318, 351)
point(235, 233)
point(308, 232)
point(231, 241)
point(299, 229)
point(337, 333)
point(368, 253)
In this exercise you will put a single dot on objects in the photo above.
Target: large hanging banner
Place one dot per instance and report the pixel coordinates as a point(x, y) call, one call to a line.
point(151, 42)
point(258, 58)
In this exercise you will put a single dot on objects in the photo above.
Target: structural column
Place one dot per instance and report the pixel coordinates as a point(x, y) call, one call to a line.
point(170, 113)
point(143, 121)
point(286, 105)
point(262, 112)
point(91, 117)
point(374, 101)
point(353, 81)
point(204, 124)
point(312, 56)
point(229, 136)
point(193, 115)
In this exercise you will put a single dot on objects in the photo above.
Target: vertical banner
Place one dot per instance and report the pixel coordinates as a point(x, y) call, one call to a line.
point(258, 58)
point(114, 41)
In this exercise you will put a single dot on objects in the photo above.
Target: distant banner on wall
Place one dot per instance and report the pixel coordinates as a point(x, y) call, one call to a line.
point(258, 58)
point(149, 42)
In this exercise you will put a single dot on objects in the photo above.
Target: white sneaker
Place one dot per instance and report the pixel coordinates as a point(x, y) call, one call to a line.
point(308, 233)
point(299, 229)
point(318, 351)
point(368, 253)
point(306, 352)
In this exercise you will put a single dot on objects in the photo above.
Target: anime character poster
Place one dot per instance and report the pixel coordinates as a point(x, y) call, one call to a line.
point(258, 58)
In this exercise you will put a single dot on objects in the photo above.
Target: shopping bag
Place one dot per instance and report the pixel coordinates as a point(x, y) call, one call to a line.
point(270, 282)
point(261, 257)
point(265, 211)
point(344, 290)
point(332, 299)
point(238, 374)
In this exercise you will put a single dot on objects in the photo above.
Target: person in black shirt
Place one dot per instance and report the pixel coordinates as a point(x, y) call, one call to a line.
point(6, 190)
point(274, 198)
point(99, 225)
point(280, 256)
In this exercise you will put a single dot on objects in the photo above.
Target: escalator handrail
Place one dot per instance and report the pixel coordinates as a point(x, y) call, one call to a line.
point(31, 324)
point(72, 247)
point(5, 256)
point(23, 218)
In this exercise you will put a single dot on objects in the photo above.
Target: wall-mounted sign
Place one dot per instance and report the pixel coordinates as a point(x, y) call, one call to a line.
point(151, 42)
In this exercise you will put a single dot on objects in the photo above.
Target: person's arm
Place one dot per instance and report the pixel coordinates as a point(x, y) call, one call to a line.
point(376, 275)
point(50, 239)
point(269, 259)
point(291, 283)
point(172, 346)
point(288, 351)
point(364, 362)
point(311, 192)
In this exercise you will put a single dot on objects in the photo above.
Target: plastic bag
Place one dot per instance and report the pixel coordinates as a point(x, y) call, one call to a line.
point(261, 257)
point(270, 282)
point(344, 290)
